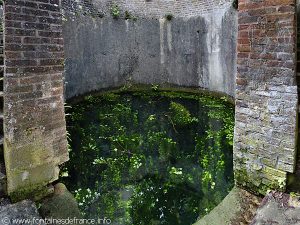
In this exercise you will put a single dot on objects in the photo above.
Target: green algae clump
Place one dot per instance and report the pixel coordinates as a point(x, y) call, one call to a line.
point(181, 115)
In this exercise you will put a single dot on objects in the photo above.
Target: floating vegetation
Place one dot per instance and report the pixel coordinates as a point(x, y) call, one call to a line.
point(150, 157)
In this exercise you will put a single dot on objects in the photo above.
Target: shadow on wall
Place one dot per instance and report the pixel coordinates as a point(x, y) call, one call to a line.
point(194, 52)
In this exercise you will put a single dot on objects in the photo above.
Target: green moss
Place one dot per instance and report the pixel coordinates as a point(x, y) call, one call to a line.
point(241, 177)
point(255, 183)
point(128, 16)
point(61, 205)
point(115, 11)
point(111, 97)
point(167, 90)
point(30, 167)
point(36, 193)
point(180, 115)
point(139, 136)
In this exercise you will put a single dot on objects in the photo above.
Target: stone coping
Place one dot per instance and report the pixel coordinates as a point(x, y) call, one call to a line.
point(237, 208)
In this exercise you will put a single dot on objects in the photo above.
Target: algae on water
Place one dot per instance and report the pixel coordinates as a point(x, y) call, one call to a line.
point(150, 157)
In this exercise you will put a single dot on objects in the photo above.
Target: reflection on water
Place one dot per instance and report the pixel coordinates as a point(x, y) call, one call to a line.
point(149, 157)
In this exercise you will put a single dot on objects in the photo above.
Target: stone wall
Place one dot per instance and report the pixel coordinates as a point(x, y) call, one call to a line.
point(266, 95)
point(34, 120)
point(294, 179)
point(146, 8)
point(198, 51)
point(197, 48)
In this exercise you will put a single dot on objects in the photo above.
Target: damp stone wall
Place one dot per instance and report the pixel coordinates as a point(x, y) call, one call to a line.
point(195, 50)
point(266, 95)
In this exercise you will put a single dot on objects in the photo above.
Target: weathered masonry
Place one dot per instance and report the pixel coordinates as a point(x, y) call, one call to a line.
point(147, 8)
point(266, 95)
point(34, 121)
point(196, 48)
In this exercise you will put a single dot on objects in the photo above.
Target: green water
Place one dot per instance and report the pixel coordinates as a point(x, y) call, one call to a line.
point(150, 157)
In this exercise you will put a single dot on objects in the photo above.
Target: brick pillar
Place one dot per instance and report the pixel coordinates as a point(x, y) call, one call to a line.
point(35, 142)
point(266, 95)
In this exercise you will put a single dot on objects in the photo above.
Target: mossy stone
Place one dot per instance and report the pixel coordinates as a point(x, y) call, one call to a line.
point(61, 205)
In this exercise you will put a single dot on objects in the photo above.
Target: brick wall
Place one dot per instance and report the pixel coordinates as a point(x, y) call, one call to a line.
point(149, 8)
point(266, 94)
point(34, 119)
point(296, 181)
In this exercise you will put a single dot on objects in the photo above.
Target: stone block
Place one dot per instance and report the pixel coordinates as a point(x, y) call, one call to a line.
point(25, 210)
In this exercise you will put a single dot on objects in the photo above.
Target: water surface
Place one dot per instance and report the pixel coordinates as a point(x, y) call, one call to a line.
point(147, 158)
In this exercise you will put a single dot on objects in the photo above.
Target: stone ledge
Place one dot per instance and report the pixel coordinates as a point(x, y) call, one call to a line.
point(238, 208)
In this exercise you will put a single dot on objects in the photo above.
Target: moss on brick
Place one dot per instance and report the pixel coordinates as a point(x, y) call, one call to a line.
point(247, 180)
point(35, 193)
